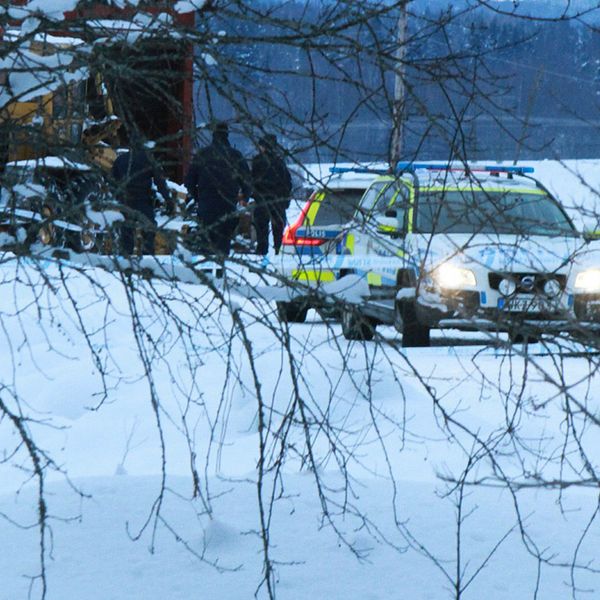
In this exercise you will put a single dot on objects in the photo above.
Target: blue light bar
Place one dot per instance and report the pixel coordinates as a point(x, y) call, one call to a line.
point(512, 169)
point(413, 166)
point(340, 170)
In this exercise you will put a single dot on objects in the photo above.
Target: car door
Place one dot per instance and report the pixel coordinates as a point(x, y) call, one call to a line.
point(387, 222)
point(356, 234)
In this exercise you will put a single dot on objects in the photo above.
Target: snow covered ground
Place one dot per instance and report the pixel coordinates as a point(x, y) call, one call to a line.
point(146, 407)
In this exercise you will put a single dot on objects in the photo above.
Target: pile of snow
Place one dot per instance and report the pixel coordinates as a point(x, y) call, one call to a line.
point(123, 382)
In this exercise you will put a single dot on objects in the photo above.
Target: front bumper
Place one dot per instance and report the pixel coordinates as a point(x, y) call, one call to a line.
point(465, 310)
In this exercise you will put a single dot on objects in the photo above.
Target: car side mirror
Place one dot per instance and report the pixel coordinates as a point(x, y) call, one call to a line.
point(361, 216)
point(590, 236)
point(392, 213)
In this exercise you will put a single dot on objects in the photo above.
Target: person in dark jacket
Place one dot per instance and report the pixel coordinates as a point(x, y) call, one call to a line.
point(271, 187)
point(134, 172)
point(217, 180)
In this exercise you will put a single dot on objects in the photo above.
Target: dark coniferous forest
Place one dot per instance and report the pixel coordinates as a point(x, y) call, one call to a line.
point(479, 85)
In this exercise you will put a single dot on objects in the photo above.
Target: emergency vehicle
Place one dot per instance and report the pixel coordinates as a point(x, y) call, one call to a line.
point(471, 248)
point(315, 232)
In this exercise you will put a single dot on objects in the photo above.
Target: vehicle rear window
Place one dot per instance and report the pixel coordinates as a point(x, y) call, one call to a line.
point(337, 207)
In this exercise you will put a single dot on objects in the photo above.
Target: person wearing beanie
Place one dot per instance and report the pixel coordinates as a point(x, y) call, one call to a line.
point(271, 188)
point(217, 177)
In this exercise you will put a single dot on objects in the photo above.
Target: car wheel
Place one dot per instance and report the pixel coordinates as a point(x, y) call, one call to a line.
point(331, 313)
point(523, 338)
point(414, 335)
point(292, 312)
point(356, 326)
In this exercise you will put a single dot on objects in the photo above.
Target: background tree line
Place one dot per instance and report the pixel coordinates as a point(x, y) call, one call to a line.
point(514, 87)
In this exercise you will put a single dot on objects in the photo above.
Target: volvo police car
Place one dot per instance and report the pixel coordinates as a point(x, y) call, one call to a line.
point(468, 248)
point(336, 194)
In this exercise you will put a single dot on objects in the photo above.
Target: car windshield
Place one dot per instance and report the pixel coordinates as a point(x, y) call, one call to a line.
point(337, 207)
point(481, 211)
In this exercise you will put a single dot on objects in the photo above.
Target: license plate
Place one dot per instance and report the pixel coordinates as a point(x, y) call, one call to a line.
point(529, 304)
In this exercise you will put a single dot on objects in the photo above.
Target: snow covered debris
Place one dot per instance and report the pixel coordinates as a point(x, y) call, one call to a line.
point(31, 75)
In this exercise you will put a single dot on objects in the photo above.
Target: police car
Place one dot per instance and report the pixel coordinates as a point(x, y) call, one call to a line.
point(316, 231)
point(471, 248)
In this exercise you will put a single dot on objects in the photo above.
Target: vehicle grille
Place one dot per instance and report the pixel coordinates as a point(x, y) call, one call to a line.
point(527, 283)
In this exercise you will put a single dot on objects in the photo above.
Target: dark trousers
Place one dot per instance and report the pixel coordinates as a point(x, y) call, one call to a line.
point(146, 223)
point(263, 215)
point(214, 236)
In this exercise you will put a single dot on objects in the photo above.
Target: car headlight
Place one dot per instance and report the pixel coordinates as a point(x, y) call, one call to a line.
point(588, 281)
point(450, 276)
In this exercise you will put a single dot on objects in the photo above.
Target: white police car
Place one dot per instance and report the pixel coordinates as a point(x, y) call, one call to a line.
point(316, 231)
point(472, 248)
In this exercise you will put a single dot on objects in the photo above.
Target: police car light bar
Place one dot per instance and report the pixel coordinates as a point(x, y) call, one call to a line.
point(340, 170)
point(413, 166)
point(513, 169)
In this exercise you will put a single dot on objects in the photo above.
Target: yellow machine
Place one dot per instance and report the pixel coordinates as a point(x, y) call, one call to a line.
point(76, 120)
point(79, 121)
point(76, 116)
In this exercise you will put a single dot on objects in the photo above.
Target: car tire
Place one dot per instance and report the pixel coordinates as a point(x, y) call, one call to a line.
point(292, 312)
point(525, 339)
point(356, 326)
point(329, 313)
point(414, 334)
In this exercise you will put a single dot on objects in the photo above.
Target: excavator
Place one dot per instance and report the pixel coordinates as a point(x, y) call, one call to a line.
point(58, 145)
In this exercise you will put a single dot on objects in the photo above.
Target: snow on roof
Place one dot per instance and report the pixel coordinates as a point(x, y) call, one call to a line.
point(44, 38)
point(130, 31)
point(320, 174)
point(32, 75)
point(119, 25)
point(474, 178)
point(48, 8)
point(57, 8)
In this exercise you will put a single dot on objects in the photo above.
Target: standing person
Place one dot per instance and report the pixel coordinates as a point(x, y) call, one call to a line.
point(272, 186)
point(134, 172)
point(217, 179)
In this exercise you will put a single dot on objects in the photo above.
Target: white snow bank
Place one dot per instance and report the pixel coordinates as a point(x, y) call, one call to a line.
point(417, 415)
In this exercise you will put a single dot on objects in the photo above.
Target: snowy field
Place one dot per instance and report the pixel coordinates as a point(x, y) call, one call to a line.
point(174, 427)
